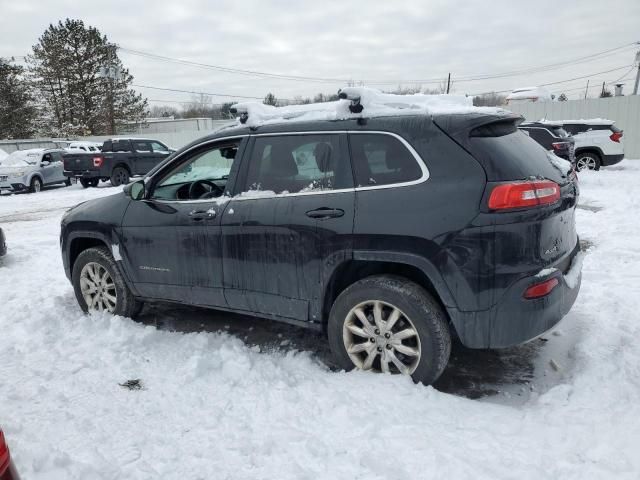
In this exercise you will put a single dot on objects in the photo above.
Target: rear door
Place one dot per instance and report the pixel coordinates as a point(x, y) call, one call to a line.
point(291, 221)
point(145, 159)
point(58, 167)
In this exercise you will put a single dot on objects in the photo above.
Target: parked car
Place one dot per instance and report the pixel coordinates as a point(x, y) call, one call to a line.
point(552, 137)
point(598, 142)
point(3, 244)
point(119, 160)
point(529, 94)
point(30, 170)
point(391, 234)
point(74, 147)
point(7, 468)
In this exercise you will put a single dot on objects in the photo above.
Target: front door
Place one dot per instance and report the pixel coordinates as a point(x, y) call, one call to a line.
point(292, 214)
point(171, 241)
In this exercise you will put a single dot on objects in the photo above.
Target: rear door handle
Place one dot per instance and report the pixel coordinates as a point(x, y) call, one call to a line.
point(325, 213)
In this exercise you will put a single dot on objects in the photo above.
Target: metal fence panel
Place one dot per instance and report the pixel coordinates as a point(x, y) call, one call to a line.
point(625, 111)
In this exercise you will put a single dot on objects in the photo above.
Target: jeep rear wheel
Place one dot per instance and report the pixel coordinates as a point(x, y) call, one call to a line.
point(119, 176)
point(391, 325)
point(99, 285)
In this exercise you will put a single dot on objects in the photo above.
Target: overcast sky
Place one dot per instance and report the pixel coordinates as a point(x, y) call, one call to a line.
point(373, 41)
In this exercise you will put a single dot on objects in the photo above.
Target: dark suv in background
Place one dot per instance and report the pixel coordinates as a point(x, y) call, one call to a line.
point(391, 234)
point(553, 137)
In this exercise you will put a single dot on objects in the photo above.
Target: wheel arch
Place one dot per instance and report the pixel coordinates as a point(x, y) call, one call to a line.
point(122, 164)
point(589, 149)
point(81, 241)
point(412, 267)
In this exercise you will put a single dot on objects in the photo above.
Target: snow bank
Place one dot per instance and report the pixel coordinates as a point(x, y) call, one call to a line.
point(3, 154)
point(374, 103)
point(212, 407)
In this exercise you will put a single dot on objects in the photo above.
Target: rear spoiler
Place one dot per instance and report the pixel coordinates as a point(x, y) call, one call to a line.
point(462, 127)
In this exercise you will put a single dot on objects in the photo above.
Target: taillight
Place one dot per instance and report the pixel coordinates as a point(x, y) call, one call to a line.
point(559, 145)
point(4, 454)
point(541, 289)
point(524, 194)
point(616, 136)
point(97, 161)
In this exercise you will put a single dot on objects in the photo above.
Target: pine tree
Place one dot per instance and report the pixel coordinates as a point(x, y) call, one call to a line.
point(270, 99)
point(17, 110)
point(82, 85)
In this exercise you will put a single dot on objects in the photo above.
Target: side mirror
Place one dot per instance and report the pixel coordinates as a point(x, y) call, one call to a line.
point(135, 190)
point(45, 163)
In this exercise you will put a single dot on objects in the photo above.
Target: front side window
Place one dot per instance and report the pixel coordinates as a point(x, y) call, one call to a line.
point(203, 175)
point(157, 147)
point(298, 164)
point(380, 159)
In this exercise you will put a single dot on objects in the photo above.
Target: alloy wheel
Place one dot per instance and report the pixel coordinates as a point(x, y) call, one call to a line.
point(379, 336)
point(588, 163)
point(37, 186)
point(98, 288)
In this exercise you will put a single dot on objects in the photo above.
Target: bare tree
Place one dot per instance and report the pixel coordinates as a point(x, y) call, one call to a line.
point(489, 100)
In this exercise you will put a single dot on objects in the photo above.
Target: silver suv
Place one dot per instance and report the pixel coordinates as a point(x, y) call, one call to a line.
point(30, 170)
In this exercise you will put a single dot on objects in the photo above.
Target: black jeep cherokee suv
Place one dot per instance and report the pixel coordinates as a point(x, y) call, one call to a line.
point(391, 234)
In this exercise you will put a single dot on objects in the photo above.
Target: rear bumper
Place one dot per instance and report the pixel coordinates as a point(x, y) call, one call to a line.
point(608, 160)
point(515, 320)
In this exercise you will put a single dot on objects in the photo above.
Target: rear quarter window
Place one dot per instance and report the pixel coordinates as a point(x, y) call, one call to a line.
point(380, 159)
point(514, 157)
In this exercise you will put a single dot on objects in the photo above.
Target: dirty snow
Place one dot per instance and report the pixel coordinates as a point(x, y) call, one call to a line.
point(210, 406)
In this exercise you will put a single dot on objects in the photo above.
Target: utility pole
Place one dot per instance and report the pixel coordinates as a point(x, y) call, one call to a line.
point(449, 82)
point(635, 88)
point(586, 90)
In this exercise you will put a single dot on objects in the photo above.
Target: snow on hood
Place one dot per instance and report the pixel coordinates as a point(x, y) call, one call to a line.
point(21, 158)
point(374, 103)
point(530, 93)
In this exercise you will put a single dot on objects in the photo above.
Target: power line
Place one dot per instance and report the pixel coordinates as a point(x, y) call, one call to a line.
point(460, 79)
point(196, 93)
point(561, 81)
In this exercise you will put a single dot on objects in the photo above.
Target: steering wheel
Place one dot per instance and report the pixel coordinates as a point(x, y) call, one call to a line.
point(214, 190)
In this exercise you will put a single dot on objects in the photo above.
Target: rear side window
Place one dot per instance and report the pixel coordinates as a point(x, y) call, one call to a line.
point(559, 132)
point(298, 163)
point(141, 147)
point(576, 128)
point(380, 159)
point(121, 146)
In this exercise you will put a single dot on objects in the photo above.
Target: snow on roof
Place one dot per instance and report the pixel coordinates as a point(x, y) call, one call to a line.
point(530, 93)
point(357, 102)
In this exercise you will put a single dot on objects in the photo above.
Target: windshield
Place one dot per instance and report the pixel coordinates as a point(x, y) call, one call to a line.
point(20, 159)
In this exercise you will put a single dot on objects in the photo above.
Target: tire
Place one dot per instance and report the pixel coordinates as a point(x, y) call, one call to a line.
point(119, 176)
point(417, 309)
point(588, 161)
point(92, 265)
point(36, 185)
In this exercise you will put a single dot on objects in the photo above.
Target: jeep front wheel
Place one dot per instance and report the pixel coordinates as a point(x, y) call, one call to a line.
point(391, 325)
point(99, 285)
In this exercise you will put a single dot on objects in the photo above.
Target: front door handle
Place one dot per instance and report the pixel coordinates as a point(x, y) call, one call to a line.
point(198, 215)
point(325, 213)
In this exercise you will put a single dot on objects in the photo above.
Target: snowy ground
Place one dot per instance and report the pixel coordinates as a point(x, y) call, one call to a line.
point(250, 402)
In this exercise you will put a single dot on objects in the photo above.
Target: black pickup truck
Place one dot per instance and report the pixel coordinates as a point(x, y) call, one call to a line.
point(120, 159)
